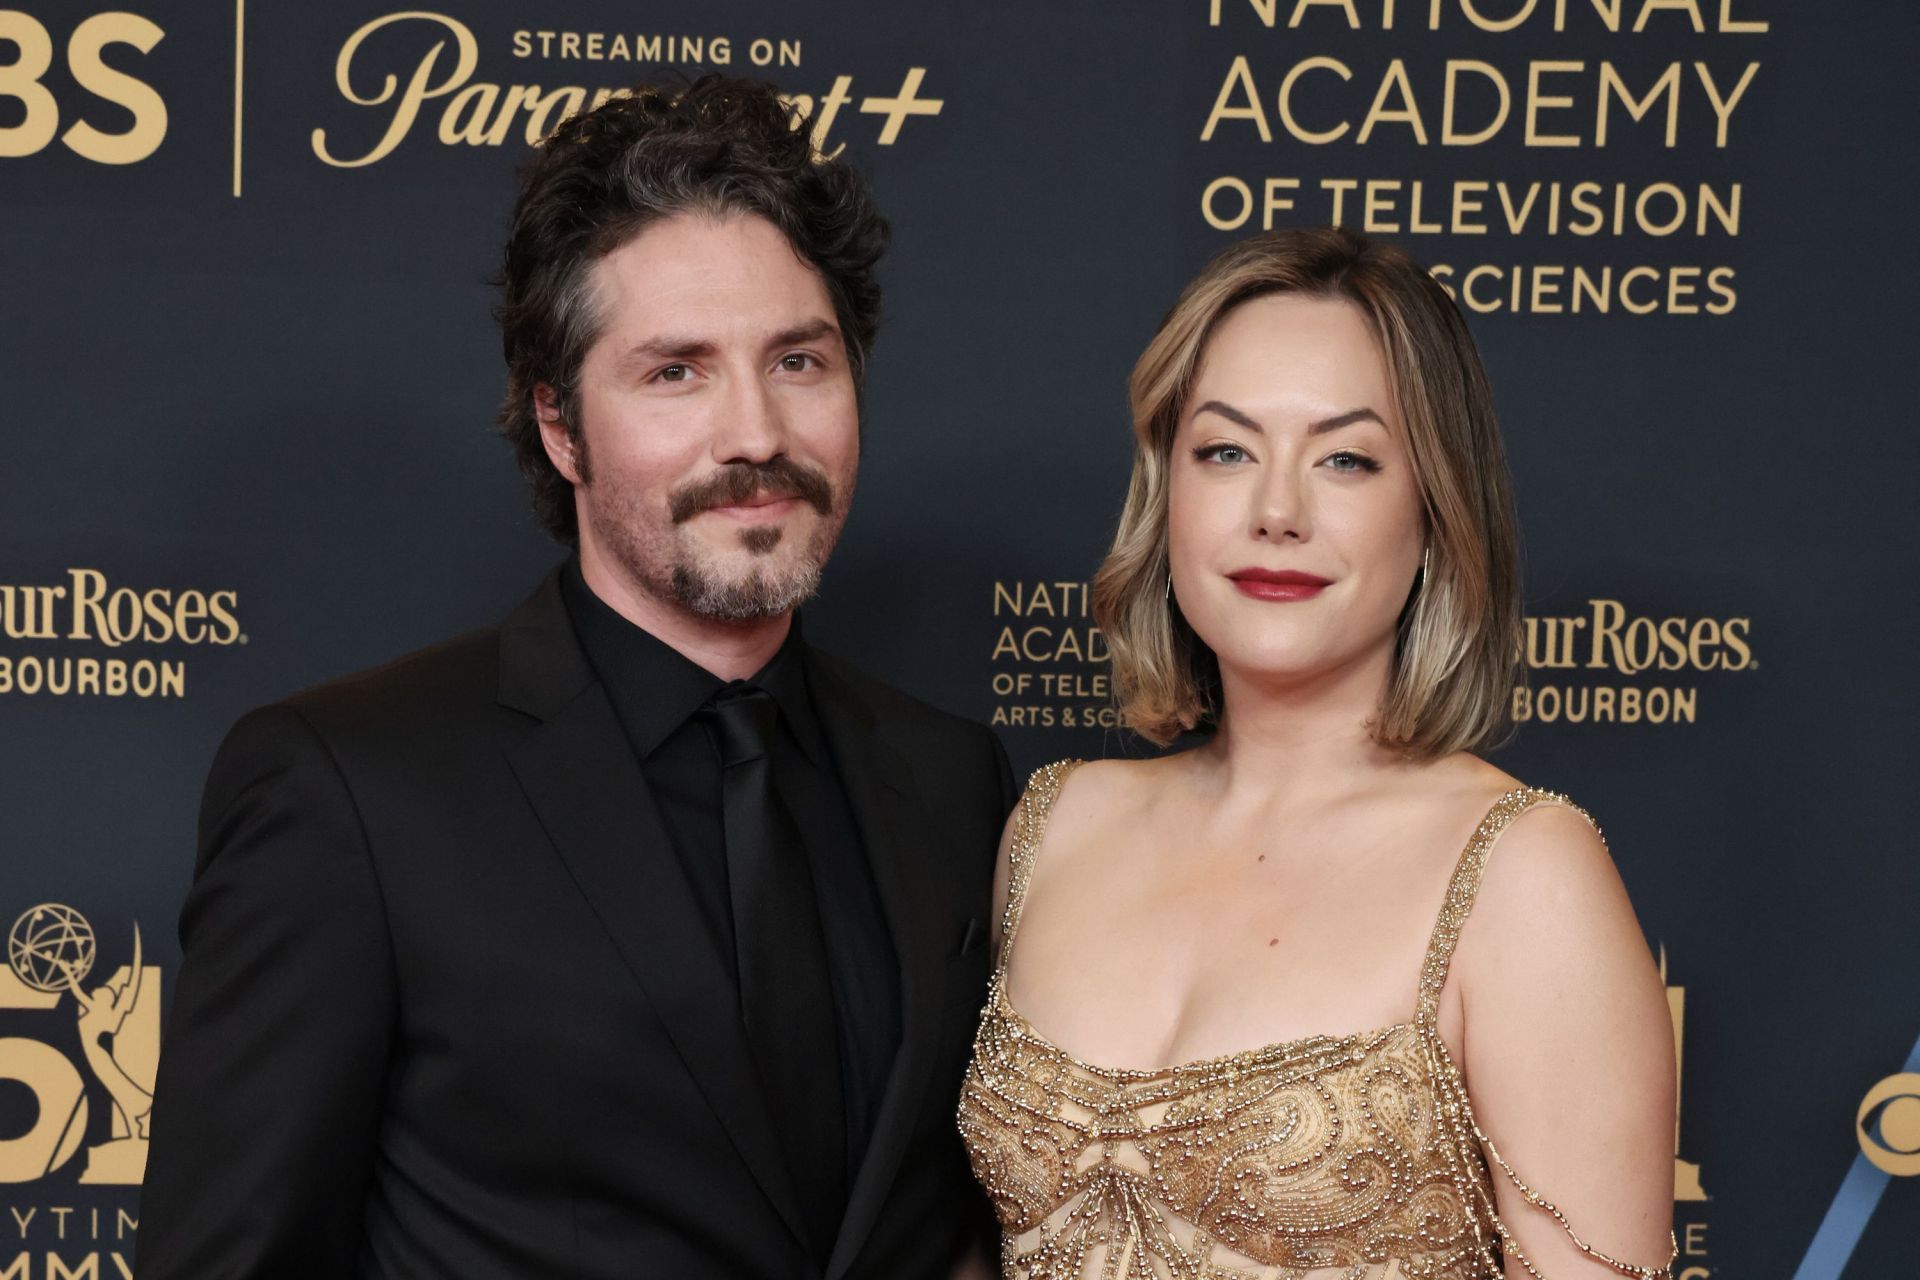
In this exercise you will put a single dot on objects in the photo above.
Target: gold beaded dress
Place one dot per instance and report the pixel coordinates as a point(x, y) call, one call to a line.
point(1351, 1157)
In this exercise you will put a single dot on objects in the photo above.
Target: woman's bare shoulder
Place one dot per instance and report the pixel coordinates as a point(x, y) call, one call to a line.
point(1092, 798)
point(1552, 906)
point(1101, 795)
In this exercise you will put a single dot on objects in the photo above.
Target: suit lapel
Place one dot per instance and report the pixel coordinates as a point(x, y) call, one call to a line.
point(579, 774)
point(893, 828)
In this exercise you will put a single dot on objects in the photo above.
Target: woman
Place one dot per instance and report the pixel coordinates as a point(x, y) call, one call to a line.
point(1316, 568)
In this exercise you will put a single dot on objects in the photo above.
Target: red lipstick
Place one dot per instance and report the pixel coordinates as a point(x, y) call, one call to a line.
point(1278, 584)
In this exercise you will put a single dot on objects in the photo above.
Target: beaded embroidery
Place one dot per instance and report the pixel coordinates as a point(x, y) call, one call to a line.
point(1352, 1157)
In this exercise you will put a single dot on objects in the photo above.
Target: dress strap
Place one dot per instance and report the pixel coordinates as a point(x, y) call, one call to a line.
point(1029, 828)
point(1465, 884)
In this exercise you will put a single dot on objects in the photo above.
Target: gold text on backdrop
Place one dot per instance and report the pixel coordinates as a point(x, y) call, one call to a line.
point(22, 80)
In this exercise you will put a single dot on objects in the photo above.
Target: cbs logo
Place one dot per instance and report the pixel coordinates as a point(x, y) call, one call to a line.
point(20, 80)
point(1888, 1125)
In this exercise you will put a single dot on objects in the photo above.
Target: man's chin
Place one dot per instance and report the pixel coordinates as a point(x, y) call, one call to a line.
point(738, 565)
point(744, 588)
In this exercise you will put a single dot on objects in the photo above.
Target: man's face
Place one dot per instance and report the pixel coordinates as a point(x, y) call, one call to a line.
point(719, 433)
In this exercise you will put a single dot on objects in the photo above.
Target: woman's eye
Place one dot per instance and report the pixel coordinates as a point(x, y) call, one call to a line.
point(1229, 454)
point(1348, 461)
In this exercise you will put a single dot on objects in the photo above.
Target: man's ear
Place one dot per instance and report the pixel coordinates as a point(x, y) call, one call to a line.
point(563, 451)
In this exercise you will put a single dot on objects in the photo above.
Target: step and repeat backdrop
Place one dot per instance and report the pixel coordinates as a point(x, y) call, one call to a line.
point(248, 372)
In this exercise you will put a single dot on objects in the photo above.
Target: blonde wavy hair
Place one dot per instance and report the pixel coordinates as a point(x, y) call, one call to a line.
point(1457, 641)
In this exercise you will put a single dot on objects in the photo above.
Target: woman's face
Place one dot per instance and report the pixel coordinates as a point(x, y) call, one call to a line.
point(1295, 523)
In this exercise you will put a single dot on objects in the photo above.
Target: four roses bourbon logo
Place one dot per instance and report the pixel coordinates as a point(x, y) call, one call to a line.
point(51, 953)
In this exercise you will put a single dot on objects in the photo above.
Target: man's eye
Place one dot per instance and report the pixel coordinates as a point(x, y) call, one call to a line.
point(797, 362)
point(674, 373)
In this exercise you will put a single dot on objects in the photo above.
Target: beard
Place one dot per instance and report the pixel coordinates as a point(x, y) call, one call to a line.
point(676, 566)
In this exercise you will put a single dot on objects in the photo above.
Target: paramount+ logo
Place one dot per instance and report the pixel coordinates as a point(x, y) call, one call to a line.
point(29, 77)
point(89, 609)
point(423, 72)
point(1670, 651)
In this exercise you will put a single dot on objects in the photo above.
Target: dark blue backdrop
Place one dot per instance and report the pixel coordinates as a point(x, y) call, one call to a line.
point(229, 366)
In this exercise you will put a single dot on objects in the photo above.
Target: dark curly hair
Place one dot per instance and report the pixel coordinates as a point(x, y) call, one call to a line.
point(719, 145)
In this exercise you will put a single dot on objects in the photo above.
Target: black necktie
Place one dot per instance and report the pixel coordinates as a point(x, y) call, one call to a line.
point(786, 992)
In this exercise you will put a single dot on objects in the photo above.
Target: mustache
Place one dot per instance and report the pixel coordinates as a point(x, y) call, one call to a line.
point(735, 482)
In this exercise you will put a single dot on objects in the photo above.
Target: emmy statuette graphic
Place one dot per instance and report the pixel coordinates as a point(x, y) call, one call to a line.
point(51, 949)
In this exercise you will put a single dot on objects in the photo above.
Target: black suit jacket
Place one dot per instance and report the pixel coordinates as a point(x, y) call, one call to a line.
point(446, 1010)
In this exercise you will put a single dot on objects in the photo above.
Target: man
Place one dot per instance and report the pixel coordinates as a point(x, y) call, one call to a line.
point(632, 937)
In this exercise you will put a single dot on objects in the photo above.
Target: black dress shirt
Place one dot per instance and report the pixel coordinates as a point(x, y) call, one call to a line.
point(657, 694)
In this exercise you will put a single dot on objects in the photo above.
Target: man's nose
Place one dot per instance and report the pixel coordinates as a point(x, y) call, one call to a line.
point(752, 426)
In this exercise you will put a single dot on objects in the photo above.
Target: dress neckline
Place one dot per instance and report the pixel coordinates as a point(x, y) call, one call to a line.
point(1275, 1049)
